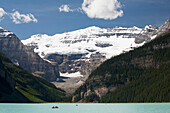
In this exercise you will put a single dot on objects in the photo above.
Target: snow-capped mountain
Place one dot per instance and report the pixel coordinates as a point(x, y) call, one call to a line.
point(109, 42)
point(79, 52)
point(4, 32)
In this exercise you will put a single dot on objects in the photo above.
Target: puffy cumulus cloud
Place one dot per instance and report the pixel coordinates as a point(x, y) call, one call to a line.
point(65, 8)
point(103, 9)
point(2, 13)
point(18, 18)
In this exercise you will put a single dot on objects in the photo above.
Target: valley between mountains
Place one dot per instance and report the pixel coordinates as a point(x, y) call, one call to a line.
point(88, 65)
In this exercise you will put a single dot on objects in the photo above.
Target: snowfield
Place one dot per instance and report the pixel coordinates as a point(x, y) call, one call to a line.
point(107, 41)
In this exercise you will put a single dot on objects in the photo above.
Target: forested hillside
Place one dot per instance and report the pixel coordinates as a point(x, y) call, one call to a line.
point(17, 85)
point(141, 75)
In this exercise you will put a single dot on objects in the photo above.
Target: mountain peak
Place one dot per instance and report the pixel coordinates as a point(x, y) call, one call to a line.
point(93, 27)
point(80, 41)
point(134, 27)
point(4, 32)
point(150, 28)
point(168, 21)
point(164, 27)
point(37, 36)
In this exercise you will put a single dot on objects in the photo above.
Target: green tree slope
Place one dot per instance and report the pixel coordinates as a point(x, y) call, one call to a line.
point(28, 88)
point(141, 75)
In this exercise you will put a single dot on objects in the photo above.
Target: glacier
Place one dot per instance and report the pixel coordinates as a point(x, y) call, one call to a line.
point(108, 41)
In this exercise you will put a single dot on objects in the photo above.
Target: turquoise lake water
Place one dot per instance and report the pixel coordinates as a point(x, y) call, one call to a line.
point(86, 108)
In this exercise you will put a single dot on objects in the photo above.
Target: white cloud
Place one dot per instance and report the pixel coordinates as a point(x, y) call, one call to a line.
point(2, 13)
point(65, 8)
point(103, 9)
point(18, 18)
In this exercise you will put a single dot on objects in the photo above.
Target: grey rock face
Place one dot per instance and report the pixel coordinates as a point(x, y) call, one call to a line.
point(146, 34)
point(24, 56)
point(76, 62)
point(164, 27)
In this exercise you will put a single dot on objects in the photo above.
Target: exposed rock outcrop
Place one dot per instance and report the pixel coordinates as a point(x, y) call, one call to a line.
point(164, 27)
point(24, 56)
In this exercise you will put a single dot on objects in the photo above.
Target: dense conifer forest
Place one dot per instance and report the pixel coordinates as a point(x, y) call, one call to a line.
point(141, 75)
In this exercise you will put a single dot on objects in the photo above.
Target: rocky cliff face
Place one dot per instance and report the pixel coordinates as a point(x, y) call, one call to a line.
point(164, 27)
point(23, 56)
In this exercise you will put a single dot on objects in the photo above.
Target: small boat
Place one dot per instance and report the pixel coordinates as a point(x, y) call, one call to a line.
point(54, 107)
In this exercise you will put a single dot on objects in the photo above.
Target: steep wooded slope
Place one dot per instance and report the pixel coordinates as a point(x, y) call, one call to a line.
point(18, 85)
point(141, 75)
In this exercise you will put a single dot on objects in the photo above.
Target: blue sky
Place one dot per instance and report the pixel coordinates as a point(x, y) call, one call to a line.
point(48, 19)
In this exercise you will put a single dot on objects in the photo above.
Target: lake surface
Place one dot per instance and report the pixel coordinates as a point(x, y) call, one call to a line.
point(86, 108)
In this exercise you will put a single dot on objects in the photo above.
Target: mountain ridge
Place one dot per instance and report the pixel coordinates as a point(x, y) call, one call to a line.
point(22, 55)
point(141, 75)
point(74, 55)
point(80, 52)
point(74, 37)
point(86, 44)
